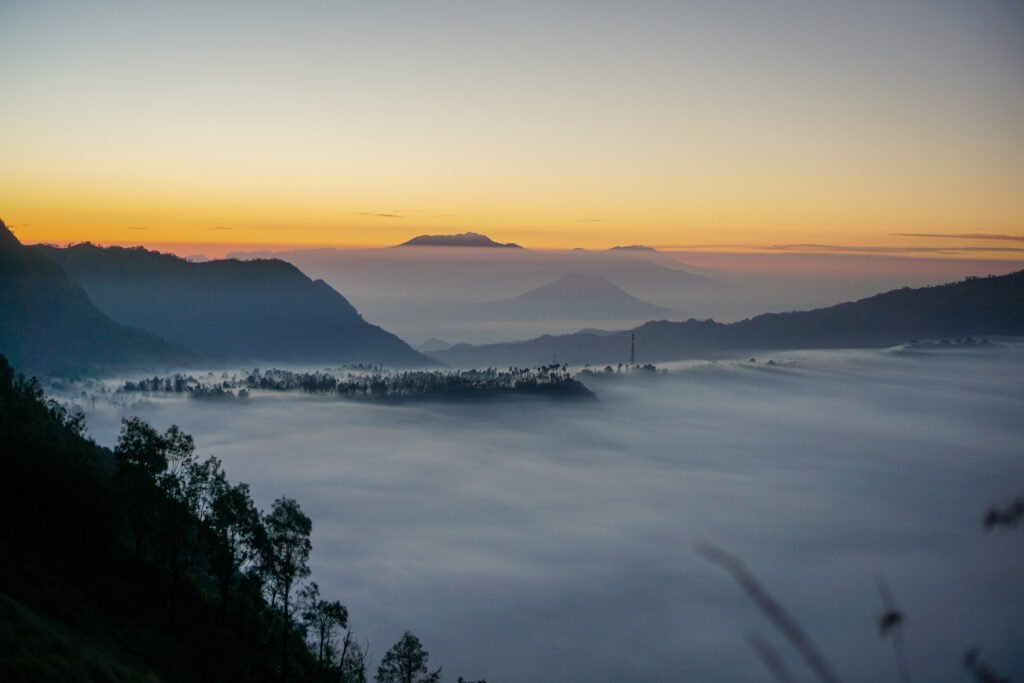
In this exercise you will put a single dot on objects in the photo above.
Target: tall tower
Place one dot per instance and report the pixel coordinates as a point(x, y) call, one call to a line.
point(632, 348)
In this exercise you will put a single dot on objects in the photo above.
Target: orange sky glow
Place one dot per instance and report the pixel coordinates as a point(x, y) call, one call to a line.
point(877, 129)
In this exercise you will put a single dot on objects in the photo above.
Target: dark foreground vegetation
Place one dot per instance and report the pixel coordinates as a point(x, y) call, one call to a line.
point(145, 563)
point(552, 381)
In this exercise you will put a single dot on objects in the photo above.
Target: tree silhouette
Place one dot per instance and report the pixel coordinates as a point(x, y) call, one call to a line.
point(352, 660)
point(140, 446)
point(141, 458)
point(237, 531)
point(323, 618)
point(406, 662)
point(288, 530)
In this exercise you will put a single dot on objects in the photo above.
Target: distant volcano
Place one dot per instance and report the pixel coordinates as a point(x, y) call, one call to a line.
point(465, 239)
point(576, 297)
point(633, 247)
point(433, 344)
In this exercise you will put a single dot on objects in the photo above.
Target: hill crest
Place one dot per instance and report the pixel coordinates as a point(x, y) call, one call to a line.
point(49, 324)
point(973, 307)
point(261, 310)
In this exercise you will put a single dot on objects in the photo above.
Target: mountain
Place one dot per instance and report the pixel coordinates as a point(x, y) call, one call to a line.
point(433, 344)
point(261, 310)
point(632, 247)
point(465, 239)
point(48, 324)
point(575, 297)
point(426, 292)
point(973, 307)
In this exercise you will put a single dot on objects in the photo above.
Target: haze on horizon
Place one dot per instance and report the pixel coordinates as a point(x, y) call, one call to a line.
point(198, 128)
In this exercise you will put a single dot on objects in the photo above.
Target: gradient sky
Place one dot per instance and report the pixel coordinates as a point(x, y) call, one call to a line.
point(801, 125)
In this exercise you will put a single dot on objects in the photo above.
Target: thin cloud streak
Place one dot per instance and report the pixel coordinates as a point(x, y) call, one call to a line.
point(815, 248)
point(964, 236)
point(837, 248)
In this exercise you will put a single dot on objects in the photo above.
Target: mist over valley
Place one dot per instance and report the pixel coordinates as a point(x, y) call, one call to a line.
point(569, 530)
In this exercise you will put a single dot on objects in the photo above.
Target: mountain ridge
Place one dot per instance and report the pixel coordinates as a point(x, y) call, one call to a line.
point(991, 305)
point(49, 324)
point(264, 310)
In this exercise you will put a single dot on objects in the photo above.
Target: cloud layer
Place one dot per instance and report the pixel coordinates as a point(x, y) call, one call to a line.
point(532, 541)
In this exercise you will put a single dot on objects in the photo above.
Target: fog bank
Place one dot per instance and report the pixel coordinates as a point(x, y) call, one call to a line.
point(541, 541)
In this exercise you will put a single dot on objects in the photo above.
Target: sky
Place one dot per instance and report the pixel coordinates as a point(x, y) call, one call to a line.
point(796, 126)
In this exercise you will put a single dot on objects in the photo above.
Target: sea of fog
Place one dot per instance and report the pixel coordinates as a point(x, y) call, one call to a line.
point(535, 540)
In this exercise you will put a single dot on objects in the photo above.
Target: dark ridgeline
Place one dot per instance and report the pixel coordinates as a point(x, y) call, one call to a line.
point(146, 563)
point(261, 310)
point(48, 323)
point(464, 239)
point(973, 307)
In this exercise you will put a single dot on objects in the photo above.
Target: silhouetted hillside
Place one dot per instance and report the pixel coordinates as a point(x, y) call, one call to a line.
point(574, 297)
point(48, 323)
point(108, 573)
point(976, 306)
point(265, 310)
point(146, 563)
point(465, 239)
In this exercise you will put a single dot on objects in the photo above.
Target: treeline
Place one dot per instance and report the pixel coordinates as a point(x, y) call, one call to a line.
point(146, 559)
point(552, 380)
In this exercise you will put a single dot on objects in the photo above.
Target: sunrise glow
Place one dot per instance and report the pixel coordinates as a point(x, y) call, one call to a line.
point(355, 124)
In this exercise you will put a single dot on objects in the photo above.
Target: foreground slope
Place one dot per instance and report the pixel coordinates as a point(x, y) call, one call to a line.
point(976, 306)
point(263, 310)
point(49, 324)
point(91, 587)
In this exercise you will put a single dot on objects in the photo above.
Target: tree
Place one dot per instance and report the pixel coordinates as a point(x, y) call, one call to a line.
point(323, 618)
point(288, 530)
point(236, 528)
point(180, 451)
point(141, 458)
point(353, 658)
point(406, 662)
point(151, 463)
point(190, 486)
point(141, 448)
point(186, 479)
